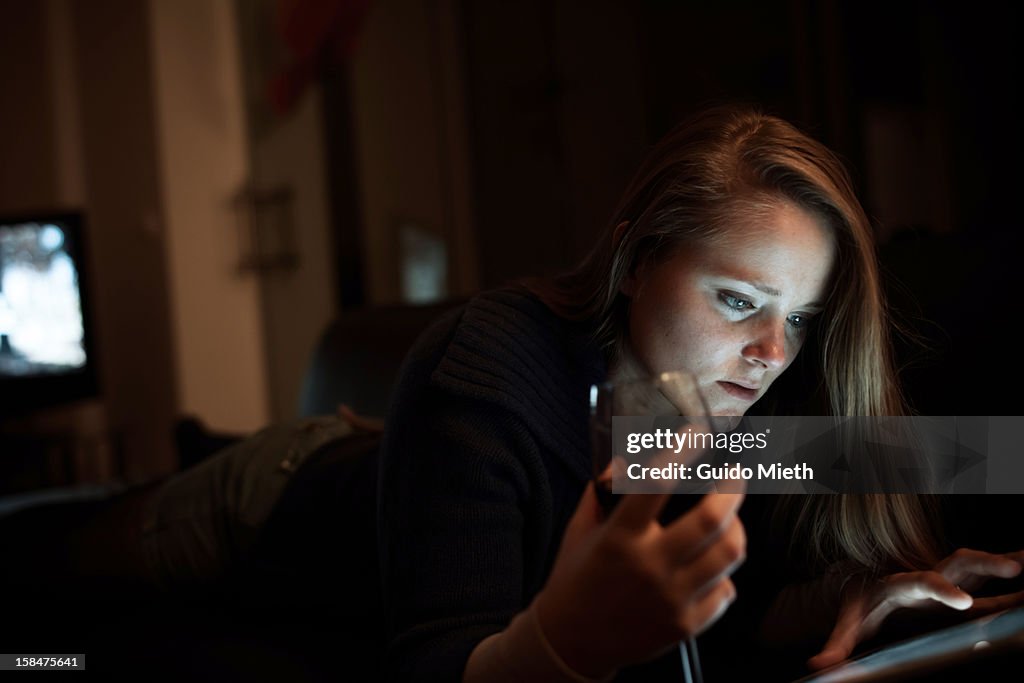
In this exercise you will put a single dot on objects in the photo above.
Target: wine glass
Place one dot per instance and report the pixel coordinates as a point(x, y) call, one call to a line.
point(667, 394)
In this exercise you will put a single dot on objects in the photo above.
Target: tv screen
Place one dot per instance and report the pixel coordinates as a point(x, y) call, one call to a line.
point(45, 354)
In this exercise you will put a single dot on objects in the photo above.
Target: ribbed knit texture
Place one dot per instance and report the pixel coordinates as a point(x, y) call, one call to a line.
point(511, 352)
point(484, 460)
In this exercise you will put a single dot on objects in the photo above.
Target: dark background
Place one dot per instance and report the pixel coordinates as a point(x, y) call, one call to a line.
point(917, 97)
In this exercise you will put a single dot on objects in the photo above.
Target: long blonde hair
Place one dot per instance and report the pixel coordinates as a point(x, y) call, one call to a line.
point(690, 188)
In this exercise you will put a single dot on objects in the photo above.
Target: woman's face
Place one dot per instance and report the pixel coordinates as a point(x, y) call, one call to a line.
point(733, 311)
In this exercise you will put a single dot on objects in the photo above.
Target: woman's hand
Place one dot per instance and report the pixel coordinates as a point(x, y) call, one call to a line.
point(625, 589)
point(866, 605)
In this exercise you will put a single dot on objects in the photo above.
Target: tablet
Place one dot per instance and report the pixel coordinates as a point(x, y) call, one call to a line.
point(993, 634)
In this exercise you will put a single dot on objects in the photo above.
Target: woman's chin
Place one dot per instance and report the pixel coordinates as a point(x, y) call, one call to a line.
point(725, 421)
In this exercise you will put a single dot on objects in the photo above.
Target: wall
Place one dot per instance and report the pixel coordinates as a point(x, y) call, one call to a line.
point(558, 126)
point(122, 201)
point(411, 140)
point(203, 163)
point(131, 111)
point(27, 173)
point(297, 303)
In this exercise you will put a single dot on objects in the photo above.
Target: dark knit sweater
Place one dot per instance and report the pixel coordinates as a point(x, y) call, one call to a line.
point(484, 461)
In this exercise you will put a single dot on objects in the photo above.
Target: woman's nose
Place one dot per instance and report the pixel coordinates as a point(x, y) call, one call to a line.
point(768, 347)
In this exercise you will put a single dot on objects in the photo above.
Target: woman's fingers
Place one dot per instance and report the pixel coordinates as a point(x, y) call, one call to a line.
point(636, 511)
point(966, 564)
point(848, 631)
point(701, 613)
point(691, 534)
point(718, 561)
point(864, 613)
point(588, 516)
point(832, 654)
point(910, 589)
point(983, 606)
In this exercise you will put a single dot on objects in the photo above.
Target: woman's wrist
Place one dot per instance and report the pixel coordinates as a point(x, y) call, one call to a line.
point(522, 653)
point(569, 671)
point(570, 647)
point(804, 613)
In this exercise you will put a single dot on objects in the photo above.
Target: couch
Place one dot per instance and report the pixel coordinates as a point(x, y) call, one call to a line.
point(302, 606)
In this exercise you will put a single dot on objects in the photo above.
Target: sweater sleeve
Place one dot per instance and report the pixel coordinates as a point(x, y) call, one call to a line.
point(458, 482)
point(484, 459)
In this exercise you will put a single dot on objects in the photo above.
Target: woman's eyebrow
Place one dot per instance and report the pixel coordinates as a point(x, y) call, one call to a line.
point(759, 286)
point(772, 291)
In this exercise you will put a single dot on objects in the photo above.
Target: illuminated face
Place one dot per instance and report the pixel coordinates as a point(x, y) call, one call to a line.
point(734, 310)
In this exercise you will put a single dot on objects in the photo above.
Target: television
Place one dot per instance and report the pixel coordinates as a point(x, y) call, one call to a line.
point(46, 352)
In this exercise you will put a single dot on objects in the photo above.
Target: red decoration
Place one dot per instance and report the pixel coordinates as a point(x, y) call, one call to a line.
point(317, 34)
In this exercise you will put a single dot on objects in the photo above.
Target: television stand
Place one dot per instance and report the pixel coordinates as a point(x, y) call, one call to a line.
point(63, 446)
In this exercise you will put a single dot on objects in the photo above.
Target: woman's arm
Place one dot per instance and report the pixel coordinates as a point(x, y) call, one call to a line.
point(453, 516)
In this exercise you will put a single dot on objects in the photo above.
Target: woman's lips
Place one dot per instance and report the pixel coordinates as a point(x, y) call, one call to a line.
point(739, 391)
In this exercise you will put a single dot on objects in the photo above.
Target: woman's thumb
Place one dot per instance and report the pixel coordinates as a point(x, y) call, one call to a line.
point(839, 646)
point(827, 657)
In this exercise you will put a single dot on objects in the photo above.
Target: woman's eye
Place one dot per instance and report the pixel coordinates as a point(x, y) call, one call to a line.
point(736, 303)
point(798, 320)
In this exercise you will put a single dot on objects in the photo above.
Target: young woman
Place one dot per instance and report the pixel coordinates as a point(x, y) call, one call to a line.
point(738, 250)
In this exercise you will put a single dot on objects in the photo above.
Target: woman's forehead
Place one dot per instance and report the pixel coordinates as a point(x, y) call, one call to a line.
point(785, 253)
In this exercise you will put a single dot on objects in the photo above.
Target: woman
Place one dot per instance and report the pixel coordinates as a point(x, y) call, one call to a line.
point(739, 242)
